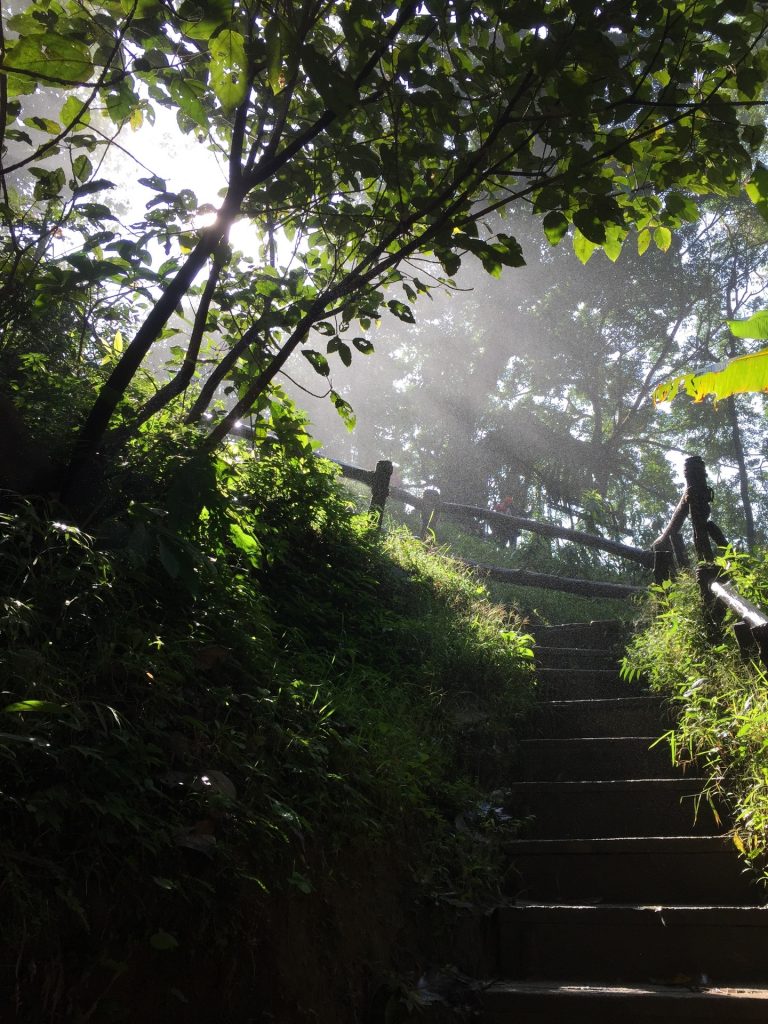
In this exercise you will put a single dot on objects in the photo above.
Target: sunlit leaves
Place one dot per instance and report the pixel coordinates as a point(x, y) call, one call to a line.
point(75, 110)
point(188, 95)
point(741, 375)
point(274, 44)
point(371, 139)
point(582, 246)
point(755, 326)
point(662, 238)
point(228, 68)
point(344, 409)
point(45, 53)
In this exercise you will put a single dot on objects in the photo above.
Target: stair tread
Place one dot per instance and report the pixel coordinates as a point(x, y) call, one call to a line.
point(600, 652)
point(623, 844)
point(554, 670)
point(622, 991)
point(590, 739)
point(642, 913)
point(642, 699)
point(614, 785)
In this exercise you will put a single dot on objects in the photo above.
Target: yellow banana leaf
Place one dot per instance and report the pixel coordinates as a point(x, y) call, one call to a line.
point(731, 377)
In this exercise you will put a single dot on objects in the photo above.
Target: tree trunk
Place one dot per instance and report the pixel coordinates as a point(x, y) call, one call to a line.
point(738, 450)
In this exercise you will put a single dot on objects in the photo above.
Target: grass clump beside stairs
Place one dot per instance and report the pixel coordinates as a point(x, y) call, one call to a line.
point(214, 699)
point(721, 701)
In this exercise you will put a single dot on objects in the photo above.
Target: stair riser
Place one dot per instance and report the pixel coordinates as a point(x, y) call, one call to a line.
point(658, 878)
point(507, 1004)
point(581, 684)
point(589, 815)
point(563, 1011)
point(573, 657)
point(602, 635)
point(564, 760)
point(626, 953)
point(644, 716)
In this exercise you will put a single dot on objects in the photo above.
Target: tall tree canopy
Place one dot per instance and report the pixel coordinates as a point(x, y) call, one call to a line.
point(371, 141)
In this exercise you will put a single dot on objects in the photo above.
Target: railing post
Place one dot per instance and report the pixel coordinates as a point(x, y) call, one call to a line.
point(663, 565)
point(699, 498)
point(678, 546)
point(760, 636)
point(380, 489)
point(430, 507)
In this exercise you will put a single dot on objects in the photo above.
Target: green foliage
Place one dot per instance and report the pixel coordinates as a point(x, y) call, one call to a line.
point(213, 697)
point(720, 701)
point(364, 138)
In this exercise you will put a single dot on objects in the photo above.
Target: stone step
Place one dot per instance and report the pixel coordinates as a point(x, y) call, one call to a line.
point(620, 943)
point(602, 633)
point(511, 1002)
point(594, 757)
point(613, 808)
point(636, 869)
point(574, 657)
point(583, 684)
point(606, 716)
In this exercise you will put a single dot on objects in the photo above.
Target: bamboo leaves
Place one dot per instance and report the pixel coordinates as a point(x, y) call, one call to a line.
point(741, 375)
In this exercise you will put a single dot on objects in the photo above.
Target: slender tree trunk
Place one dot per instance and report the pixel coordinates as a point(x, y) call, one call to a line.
point(738, 449)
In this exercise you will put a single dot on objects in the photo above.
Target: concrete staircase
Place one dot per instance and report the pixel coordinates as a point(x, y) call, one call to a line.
point(632, 907)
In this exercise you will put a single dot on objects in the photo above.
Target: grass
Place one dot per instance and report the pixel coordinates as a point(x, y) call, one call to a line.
point(538, 554)
point(223, 688)
point(721, 700)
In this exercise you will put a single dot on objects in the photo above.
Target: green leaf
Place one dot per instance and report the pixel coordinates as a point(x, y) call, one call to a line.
point(274, 41)
point(755, 326)
point(336, 87)
point(318, 361)
point(90, 187)
point(70, 111)
point(345, 352)
point(742, 375)
point(363, 345)
point(82, 167)
point(401, 311)
point(188, 94)
point(228, 68)
point(345, 410)
point(614, 239)
point(201, 18)
point(49, 184)
point(590, 225)
point(244, 541)
point(582, 247)
point(163, 941)
point(757, 186)
point(47, 706)
point(555, 226)
point(663, 238)
point(643, 241)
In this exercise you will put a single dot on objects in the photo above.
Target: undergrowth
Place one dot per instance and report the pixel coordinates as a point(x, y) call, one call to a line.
point(223, 687)
point(721, 701)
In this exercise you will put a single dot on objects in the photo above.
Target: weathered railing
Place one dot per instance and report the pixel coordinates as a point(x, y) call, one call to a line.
point(666, 555)
point(718, 594)
point(432, 507)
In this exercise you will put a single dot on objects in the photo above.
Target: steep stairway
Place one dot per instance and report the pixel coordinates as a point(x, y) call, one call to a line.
point(631, 905)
